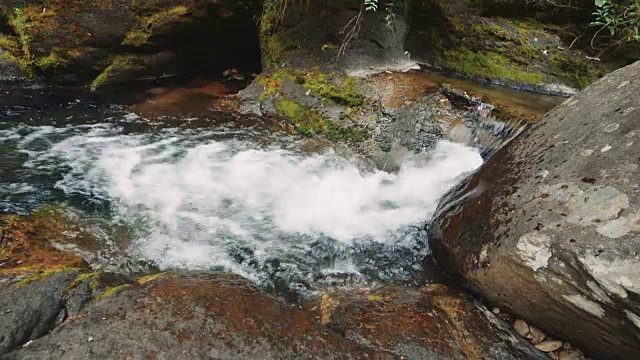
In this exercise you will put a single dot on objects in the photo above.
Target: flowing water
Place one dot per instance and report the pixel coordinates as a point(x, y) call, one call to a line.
point(222, 192)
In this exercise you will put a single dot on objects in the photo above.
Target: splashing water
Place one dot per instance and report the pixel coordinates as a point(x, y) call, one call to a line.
point(203, 199)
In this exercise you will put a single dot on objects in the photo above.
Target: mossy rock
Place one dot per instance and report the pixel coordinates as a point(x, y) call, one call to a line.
point(337, 88)
point(520, 52)
point(311, 123)
point(124, 68)
point(489, 65)
point(28, 245)
point(158, 23)
point(79, 40)
point(12, 66)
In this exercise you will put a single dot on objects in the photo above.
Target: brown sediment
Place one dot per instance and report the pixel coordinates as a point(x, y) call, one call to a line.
point(186, 100)
point(26, 244)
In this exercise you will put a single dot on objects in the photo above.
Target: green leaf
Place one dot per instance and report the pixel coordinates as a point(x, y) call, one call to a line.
point(601, 3)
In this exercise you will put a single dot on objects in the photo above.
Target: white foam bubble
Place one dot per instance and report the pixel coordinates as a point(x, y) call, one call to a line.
point(201, 197)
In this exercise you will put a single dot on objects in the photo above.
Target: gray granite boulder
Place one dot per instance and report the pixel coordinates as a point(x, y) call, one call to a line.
point(549, 227)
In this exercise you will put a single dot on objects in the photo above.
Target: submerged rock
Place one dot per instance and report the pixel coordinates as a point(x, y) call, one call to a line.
point(549, 227)
point(434, 322)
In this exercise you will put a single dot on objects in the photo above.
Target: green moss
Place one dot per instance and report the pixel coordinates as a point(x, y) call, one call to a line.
point(145, 279)
point(137, 37)
point(112, 291)
point(309, 122)
point(575, 72)
point(141, 34)
point(21, 24)
point(274, 47)
point(119, 65)
point(43, 275)
point(93, 285)
point(8, 43)
point(168, 16)
point(344, 93)
point(488, 64)
point(52, 63)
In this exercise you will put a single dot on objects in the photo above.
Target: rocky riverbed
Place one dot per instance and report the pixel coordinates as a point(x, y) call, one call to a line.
point(325, 207)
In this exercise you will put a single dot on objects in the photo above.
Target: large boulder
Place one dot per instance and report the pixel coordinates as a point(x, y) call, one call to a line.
point(192, 316)
point(549, 227)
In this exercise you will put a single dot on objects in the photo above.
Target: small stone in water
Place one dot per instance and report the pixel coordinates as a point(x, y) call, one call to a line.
point(90, 338)
point(549, 345)
point(495, 310)
point(570, 355)
point(536, 335)
point(521, 327)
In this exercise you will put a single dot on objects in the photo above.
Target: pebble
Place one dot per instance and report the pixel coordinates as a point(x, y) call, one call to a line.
point(521, 327)
point(549, 345)
point(495, 310)
point(536, 336)
point(570, 355)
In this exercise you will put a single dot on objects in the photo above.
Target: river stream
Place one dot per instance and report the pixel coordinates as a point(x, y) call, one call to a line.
point(221, 192)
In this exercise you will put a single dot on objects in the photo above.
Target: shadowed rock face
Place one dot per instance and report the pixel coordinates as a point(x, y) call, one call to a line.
point(549, 227)
point(115, 41)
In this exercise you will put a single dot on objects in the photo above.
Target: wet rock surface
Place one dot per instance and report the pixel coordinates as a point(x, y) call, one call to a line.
point(432, 322)
point(29, 311)
point(548, 227)
point(77, 314)
point(10, 70)
point(33, 304)
point(192, 316)
point(56, 238)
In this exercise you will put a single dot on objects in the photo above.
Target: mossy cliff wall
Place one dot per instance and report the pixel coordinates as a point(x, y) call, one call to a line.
point(515, 43)
point(89, 41)
point(507, 42)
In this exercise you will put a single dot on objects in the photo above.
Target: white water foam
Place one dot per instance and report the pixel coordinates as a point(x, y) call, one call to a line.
point(199, 196)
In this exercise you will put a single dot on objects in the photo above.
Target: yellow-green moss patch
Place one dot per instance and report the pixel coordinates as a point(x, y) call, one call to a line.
point(93, 285)
point(43, 275)
point(488, 64)
point(52, 63)
point(145, 279)
point(342, 91)
point(140, 35)
point(118, 65)
point(112, 291)
point(309, 122)
point(575, 72)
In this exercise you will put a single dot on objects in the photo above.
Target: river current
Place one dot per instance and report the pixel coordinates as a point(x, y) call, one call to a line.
point(221, 192)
